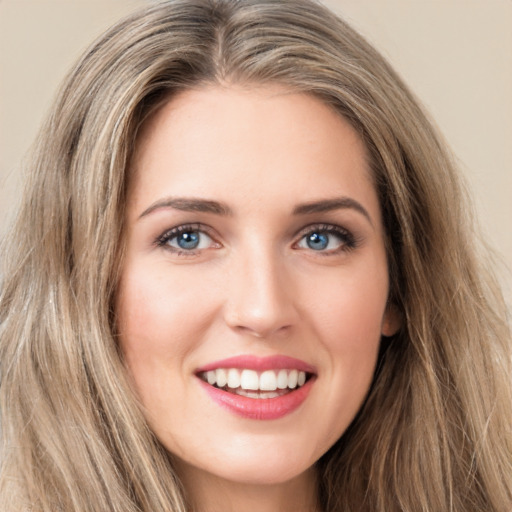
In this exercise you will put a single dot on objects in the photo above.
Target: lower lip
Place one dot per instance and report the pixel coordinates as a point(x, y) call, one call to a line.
point(260, 408)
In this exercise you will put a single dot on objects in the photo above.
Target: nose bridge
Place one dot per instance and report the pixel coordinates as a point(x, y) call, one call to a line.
point(259, 300)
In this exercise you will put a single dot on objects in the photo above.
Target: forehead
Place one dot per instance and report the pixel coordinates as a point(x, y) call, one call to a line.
point(244, 144)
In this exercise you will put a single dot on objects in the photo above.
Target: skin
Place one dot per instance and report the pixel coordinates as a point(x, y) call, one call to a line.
point(253, 287)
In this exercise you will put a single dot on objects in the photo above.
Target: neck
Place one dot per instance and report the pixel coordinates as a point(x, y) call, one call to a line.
point(209, 493)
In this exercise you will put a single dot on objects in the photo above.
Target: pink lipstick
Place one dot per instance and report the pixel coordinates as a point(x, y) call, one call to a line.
point(258, 388)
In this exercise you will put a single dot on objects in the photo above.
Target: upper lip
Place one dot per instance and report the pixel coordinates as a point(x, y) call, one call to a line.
point(250, 362)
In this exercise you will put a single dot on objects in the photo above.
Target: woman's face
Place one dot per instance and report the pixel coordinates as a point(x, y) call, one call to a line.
point(253, 293)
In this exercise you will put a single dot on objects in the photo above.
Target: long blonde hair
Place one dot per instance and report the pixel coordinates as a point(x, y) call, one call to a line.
point(435, 431)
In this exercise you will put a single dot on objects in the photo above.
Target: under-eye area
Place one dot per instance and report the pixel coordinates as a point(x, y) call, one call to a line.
point(254, 384)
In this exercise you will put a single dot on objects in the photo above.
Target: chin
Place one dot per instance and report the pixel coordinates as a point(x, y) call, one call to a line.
point(254, 463)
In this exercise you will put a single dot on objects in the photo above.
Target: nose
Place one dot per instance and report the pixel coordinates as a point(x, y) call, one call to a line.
point(260, 296)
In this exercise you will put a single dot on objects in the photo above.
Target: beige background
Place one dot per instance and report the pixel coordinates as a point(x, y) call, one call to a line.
point(455, 54)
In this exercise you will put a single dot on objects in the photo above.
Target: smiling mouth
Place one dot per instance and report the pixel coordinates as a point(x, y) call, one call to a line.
point(253, 384)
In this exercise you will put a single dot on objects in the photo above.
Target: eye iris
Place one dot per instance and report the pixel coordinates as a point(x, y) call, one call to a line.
point(188, 240)
point(317, 241)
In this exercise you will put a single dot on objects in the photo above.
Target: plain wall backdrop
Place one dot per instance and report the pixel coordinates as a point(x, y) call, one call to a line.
point(456, 55)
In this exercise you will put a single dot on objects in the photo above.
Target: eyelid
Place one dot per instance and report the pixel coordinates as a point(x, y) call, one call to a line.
point(322, 226)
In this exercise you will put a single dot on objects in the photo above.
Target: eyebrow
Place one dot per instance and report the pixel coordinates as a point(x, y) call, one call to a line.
point(327, 205)
point(188, 205)
point(209, 206)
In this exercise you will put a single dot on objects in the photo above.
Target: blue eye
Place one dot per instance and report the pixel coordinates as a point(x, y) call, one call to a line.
point(317, 241)
point(185, 239)
point(326, 238)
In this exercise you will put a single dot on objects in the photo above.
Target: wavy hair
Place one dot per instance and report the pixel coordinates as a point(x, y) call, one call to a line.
point(435, 431)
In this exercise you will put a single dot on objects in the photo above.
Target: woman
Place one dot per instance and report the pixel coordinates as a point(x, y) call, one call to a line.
point(243, 278)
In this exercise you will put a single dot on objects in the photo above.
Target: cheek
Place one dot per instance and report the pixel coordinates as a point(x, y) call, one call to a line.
point(156, 329)
point(154, 307)
point(352, 337)
point(350, 312)
point(348, 321)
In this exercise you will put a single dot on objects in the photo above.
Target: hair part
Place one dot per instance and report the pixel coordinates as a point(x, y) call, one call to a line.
point(434, 433)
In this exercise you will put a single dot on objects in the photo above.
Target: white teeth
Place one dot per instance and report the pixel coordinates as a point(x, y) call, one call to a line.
point(249, 380)
point(233, 378)
point(222, 377)
point(292, 379)
point(268, 381)
point(256, 394)
point(282, 379)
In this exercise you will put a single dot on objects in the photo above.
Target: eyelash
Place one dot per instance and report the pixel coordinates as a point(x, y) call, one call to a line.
point(348, 241)
point(164, 239)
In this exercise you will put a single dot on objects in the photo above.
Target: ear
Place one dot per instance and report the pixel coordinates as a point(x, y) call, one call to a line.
point(392, 321)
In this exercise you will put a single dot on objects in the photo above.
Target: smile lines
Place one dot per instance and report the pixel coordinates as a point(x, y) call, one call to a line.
point(251, 383)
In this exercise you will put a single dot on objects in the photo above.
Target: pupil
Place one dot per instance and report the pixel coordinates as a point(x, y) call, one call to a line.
point(189, 240)
point(317, 241)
